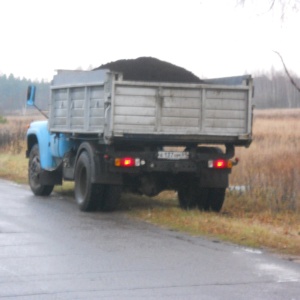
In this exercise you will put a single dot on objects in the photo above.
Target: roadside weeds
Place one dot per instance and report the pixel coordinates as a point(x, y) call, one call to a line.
point(265, 215)
point(279, 233)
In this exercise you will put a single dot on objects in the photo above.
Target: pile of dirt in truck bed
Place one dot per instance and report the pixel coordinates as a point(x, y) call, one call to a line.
point(150, 69)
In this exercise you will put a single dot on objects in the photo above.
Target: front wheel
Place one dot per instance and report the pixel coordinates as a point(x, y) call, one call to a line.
point(34, 171)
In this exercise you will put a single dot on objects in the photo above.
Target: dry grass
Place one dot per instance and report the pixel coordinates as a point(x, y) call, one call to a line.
point(13, 164)
point(267, 214)
point(13, 167)
point(13, 132)
point(270, 168)
point(236, 223)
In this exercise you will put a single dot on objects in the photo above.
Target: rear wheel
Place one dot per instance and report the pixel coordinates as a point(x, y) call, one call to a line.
point(216, 199)
point(207, 199)
point(211, 199)
point(91, 196)
point(187, 196)
point(203, 199)
point(110, 198)
point(86, 192)
point(34, 171)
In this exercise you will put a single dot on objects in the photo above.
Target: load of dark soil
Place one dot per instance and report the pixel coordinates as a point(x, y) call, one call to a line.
point(150, 69)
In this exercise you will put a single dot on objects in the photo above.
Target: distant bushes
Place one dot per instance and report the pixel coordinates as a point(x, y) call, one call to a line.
point(3, 120)
point(12, 134)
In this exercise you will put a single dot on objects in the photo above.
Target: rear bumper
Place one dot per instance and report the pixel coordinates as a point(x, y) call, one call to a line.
point(161, 139)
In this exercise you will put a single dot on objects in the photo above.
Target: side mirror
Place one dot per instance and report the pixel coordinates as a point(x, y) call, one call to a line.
point(31, 95)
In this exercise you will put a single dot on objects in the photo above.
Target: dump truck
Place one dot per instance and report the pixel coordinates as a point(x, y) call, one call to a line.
point(110, 135)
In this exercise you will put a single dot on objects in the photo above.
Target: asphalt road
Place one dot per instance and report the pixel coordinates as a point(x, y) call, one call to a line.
point(51, 250)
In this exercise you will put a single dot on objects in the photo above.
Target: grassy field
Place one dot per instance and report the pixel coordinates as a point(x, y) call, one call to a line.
point(264, 214)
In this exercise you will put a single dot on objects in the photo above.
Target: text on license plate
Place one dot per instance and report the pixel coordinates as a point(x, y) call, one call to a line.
point(172, 155)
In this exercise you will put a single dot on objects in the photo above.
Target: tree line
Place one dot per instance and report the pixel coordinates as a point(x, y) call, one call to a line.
point(275, 90)
point(272, 90)
point(13, 92)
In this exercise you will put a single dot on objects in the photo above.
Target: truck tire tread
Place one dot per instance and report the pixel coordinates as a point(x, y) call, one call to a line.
point(34, 169)
point(111, 198)
point(86, 193)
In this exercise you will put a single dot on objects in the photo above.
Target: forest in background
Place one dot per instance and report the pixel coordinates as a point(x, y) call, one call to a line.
point(13, 92)
point(273, 90)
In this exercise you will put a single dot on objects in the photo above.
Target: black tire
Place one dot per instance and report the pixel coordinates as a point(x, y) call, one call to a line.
point(216, 199)
point(34, 171)
point(211, 199)
point(203, 199)
point(187, 196)
point(206, 199)
point(86, 193)
point(111, 198)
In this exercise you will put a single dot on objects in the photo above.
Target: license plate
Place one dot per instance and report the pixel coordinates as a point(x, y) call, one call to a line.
point(172, 155)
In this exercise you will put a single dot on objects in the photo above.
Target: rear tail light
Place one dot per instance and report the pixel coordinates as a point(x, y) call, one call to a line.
point(127, 162)
point(220, 164)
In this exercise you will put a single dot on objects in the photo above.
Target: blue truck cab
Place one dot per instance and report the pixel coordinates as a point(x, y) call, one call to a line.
point(45, 151)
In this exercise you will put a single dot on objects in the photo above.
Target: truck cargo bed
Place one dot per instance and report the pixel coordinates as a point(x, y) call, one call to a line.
point(216, 111)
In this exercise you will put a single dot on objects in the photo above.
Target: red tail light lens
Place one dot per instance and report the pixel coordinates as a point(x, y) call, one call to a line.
point(127, 162)
point(219, 164)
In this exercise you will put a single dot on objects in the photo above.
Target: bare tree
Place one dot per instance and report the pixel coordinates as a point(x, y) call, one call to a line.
point(284, 6)
point(288, 73)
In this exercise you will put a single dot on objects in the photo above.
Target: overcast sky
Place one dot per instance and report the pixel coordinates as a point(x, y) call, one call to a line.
point(211, 38)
